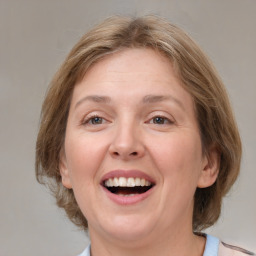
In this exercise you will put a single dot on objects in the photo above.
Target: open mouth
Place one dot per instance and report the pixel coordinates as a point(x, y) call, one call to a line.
point(127, 186)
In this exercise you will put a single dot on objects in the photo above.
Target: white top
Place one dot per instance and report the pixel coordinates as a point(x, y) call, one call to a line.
point(86, 252)
point(211, 247)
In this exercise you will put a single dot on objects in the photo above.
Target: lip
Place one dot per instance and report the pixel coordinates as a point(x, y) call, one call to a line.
point(127, 200)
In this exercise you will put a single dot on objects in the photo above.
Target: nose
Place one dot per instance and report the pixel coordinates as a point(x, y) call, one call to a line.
point(127, 142)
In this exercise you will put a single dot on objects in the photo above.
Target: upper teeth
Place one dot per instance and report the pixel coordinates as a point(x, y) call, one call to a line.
point(126, 182)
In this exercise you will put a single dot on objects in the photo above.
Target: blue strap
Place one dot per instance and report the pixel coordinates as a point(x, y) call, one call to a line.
point(211, 246)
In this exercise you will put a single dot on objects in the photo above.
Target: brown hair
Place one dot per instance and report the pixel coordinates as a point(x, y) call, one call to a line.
point(199, 78)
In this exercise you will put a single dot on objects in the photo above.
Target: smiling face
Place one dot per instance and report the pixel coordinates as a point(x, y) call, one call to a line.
point(132, 153)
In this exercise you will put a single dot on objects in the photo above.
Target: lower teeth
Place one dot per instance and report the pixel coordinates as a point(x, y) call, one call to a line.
point(126, 195)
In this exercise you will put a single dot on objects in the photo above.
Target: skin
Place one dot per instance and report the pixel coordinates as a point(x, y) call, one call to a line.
point(125, 132)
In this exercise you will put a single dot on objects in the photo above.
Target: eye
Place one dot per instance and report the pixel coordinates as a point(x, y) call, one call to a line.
point(160, 120)
point(94, 120)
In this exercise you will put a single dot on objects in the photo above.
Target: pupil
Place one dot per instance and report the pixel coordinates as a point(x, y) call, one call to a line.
point(96, 120)
point(159, 120)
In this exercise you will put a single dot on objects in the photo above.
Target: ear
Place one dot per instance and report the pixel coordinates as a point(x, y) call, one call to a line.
point(64, 172)
point(210, 168)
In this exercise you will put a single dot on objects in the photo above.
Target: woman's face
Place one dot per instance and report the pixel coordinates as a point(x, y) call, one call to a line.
point(133, 154)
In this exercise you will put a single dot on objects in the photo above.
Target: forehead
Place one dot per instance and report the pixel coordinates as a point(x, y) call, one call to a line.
point(133, 64)
point(132, 72)
point(143, 59)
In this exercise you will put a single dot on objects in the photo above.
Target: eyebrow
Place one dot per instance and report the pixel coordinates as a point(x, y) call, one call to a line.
point(94, 98)
point(160, 98)
point(148, 99)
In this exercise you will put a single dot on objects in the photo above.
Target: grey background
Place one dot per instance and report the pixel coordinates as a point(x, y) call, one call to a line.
point(36, 35)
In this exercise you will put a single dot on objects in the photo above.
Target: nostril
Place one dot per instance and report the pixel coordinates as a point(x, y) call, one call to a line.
point(125, 154)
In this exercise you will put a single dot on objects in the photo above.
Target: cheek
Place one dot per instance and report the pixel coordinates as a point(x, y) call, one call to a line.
point(179, 158)
point(84, 157)
point(178, 161)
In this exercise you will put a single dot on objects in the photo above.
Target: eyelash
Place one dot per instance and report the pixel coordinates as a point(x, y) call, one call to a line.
point(162, 118)
point(89, 120)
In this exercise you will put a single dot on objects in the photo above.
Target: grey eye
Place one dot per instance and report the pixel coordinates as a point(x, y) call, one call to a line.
point(160, 120)
point(96, 120)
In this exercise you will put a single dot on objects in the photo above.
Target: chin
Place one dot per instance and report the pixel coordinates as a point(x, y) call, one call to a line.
point(128, 228)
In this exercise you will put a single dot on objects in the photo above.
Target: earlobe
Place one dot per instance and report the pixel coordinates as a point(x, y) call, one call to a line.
point(210, 168)
point(64, 172)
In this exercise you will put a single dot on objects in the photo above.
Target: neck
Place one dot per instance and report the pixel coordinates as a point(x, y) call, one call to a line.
point(178, 242)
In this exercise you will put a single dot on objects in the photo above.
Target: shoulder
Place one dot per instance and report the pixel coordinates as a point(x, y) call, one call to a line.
point(230, 250)
point(215, 247)
point(86, 252)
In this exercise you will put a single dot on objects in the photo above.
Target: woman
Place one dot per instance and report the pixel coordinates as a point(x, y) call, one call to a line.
point(138, 141)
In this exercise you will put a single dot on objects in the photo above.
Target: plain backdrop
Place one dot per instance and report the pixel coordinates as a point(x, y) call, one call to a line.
point(36, 35)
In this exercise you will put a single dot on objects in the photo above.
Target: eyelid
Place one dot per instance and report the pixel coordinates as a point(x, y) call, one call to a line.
point(88, 117)
point(165, 116)
point(166, 120)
